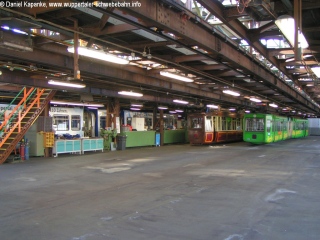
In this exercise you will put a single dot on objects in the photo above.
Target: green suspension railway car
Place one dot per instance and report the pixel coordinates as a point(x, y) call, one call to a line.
point(260, 128)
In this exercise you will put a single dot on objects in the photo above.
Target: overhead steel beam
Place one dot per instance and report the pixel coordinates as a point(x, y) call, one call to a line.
point(307, 5)
point(235, 25)
point(211, 67)
point(24, 79)
point(189, 58)
point(113, 72)
point(108, 30)
point(165, 18)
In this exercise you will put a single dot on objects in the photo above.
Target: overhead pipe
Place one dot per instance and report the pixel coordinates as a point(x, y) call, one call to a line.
point(297, 27)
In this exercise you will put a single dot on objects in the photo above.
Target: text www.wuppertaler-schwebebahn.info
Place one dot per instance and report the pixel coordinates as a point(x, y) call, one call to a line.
point(100, 4)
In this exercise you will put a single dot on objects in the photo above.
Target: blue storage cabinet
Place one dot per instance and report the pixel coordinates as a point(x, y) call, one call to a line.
point(67, 146)
point(91, 144)
point(157, 140)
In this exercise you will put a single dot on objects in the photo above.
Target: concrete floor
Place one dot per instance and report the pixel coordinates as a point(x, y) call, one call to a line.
point(231, 191)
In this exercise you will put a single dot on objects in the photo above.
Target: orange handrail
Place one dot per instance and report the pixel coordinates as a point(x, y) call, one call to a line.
point(23, 100)
point(18, 123)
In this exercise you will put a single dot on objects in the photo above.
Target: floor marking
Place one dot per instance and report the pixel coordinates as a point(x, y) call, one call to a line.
point(26, 179)
point(156, 175)
point(278, 194)
point(106, 218)
point(109, 170)
point(176, 200)
point(83, 237)
point(234, 237)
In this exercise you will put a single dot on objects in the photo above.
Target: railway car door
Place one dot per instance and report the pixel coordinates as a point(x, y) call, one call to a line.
point(290, 127)
point(196, 129)
point(89, 124)
point(209, 136)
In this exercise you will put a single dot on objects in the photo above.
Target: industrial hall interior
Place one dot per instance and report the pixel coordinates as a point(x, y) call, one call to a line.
point(160, 119)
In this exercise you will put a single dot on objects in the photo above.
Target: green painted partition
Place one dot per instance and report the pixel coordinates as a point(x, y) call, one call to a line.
point(174, 136)
point(140, 138)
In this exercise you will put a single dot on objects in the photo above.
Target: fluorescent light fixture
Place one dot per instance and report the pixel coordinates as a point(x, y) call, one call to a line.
point(132, 94)
point(212, 106)
point(316, 71)
point(176, 76)
point(230, 92)
point(76, 103)
point(162, 107)
point(101, 55)
point(19, 31)
point(286, 25)
point(66, 84)
point(255, 99)
point(173, 112)
point(247, 111)
point(179, 110)
point(232, 109)
point(92, 107)
point(180, 101)
point(273, 105)
point(136, 105)
point(135, 109)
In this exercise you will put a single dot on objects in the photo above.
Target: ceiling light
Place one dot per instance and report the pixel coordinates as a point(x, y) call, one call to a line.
point(316, 71)
point(232, 109)
point(180, 101)
point(172, 112)
point(162, 107)
point(135, 109)
point(286, 24)
point(101, 55)
point(255, 99)
point(176, 76)
point(247, 111)
point(273, 105)
point(76, 103)
point(136, 105)
point(212, 106)
point(133, 94)
point(230, 92)
point(179, 110)
point(66, 84)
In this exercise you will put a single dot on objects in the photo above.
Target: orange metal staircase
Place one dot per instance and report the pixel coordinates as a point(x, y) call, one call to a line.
point(22, 116)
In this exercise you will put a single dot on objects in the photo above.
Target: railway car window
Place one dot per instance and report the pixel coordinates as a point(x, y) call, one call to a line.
point(148, 123)
point(103, 122)
point(196, 122)
point(269, 125)
point(208, 124)
point(239, 124)
point(75, 122)
point(223, 123)
point(62, 122)
point(217, 123)
point(278, 125)
point(254, 124)
point(284, 126)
